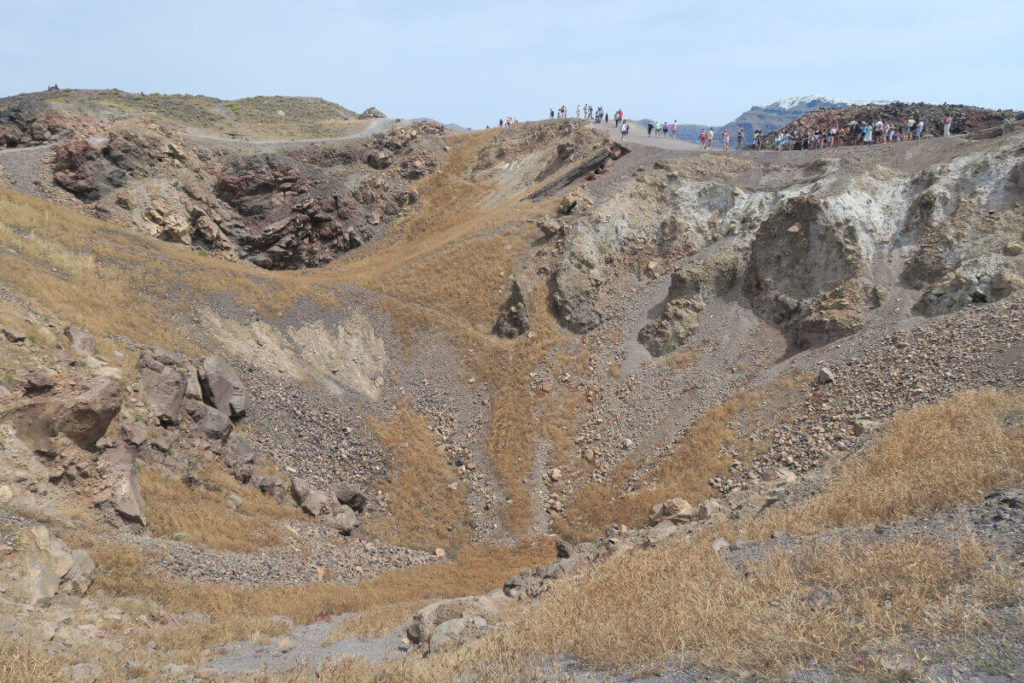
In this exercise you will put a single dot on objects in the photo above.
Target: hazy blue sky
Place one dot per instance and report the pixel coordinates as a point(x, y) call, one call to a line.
point(471, 62)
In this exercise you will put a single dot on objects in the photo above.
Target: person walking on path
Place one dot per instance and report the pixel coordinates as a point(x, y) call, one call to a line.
point(624, 130)
point(946, 124)
point(650, 128)
point(675, 130)
point(919, 131)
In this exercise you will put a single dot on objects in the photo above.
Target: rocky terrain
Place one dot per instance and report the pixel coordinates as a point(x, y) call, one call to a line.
point(411, 404)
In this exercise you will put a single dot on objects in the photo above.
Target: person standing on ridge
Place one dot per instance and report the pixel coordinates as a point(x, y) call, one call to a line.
point(650, 128)
point(703, 139)
point(725, 139)
point(946, 124)
point(739, 139)
point(711, 138)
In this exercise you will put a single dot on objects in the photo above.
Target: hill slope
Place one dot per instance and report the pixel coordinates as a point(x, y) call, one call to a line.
point(752, 389)
point(56, 114)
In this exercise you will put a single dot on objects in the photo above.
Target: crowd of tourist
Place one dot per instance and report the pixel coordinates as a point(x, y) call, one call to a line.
point(854, 133)
point(793, 138)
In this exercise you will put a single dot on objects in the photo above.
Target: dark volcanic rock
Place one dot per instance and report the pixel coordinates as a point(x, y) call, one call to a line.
point(514, 318)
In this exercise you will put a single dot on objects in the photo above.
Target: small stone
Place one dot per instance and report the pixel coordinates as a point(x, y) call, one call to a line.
point(439, 552)
point(12, 336)
point(784, 475)
point(81, 340)
point(861, 427)
point(660, 531)
point(826, 376)
point(719, 545)
point(556, 474)
point(675, 510)
point(708, 509)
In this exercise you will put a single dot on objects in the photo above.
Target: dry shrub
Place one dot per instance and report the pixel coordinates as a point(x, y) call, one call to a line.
point(681, 358)
point(202, 516)
point(930, 458)
point(424, 512)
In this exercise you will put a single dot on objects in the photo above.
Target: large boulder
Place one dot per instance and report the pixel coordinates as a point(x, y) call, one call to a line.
point(316, 502)
point(300, 488)
point(429, 618)
point(164, 391)
point(211, 422)
point(690, 290)
point(80, 577)
point(222, 387)
point(238, 452)
point(126, 496)
point(50, 566)
point(350, 496)
point(372, 113)
point(577, 289)
point(803, 271)
point(270, 485)
point(84, 418)
point(345, 520)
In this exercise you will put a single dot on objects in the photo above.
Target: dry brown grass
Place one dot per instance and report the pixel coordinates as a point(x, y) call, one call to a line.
point(559, 416)
point(250, 501)
point(241, 613)
point(202, 517)
point(23, 662)
point(826, 603)
point(930, 458)
point(376, 620)
point(112, 281)
point(695, 458)
point(424, 512)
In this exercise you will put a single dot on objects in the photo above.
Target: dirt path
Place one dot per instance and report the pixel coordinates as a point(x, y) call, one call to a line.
point(305, 645)
point(375, 126)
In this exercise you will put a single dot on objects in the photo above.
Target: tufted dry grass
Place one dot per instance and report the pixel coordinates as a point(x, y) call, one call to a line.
point(201, 516)
point(423, 512)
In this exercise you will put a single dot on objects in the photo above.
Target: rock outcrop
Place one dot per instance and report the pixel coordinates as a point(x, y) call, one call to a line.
point(50, 567)
point(689, 291)
point(803, 273)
